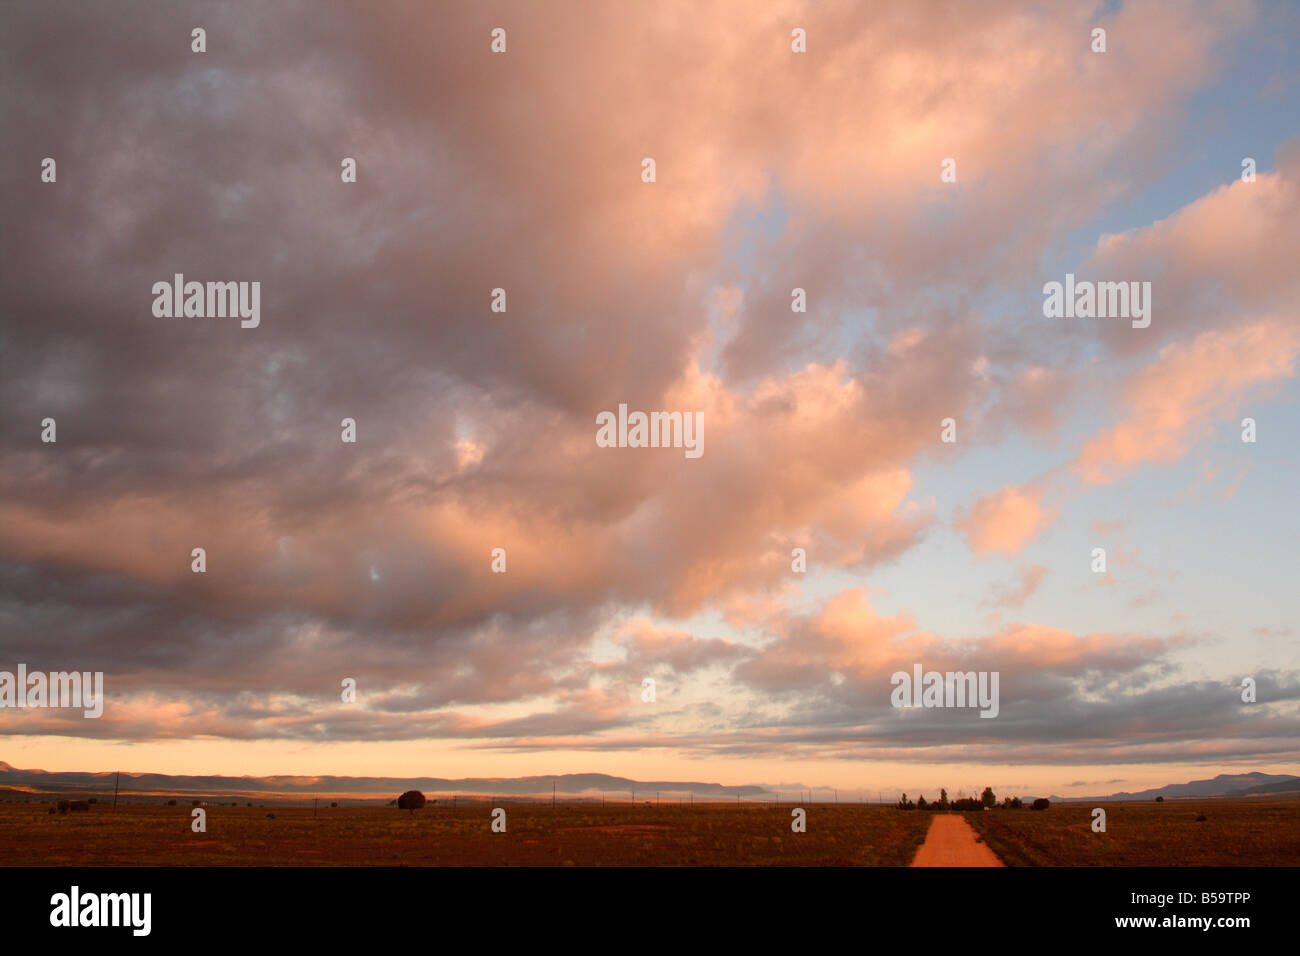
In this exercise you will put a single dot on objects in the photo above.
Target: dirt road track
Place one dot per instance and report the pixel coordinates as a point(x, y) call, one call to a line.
point(951, 841)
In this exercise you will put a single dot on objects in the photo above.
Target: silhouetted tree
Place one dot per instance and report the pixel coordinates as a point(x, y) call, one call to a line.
point(1042, 803)
point(988, 798)
point(411, 800)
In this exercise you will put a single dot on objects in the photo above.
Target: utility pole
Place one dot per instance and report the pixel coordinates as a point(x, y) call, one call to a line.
point(116, 779)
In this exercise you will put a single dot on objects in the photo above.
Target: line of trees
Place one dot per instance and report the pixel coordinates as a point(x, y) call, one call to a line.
point(986, 801)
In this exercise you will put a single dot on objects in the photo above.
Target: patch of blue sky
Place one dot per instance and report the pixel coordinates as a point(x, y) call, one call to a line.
point(1248, 110)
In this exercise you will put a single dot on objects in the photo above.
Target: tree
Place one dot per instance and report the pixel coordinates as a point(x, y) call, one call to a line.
point(411, 800)
point(988, 799)
point(943, 798)
point(920, 802)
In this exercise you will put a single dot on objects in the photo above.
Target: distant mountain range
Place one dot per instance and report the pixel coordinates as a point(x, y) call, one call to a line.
point(160, 785)
point(1224, 785)
point(15, 783)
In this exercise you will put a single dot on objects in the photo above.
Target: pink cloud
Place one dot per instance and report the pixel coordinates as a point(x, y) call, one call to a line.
point(1006, 520)
point(1178, 399)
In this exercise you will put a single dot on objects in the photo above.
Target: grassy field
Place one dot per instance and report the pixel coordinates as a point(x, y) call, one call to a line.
point(1234, 833)
point(536, 835)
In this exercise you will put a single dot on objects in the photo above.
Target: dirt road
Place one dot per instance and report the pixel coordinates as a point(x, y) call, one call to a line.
point(951, 841)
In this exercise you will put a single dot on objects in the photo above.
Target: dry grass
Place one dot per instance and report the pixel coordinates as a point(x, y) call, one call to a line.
point(1234, 833)
point(537, 835)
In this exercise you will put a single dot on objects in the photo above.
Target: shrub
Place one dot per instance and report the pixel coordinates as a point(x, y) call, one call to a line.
point(171, 803)
point(1160, 799)
point(411, 800)
point(1042, 803)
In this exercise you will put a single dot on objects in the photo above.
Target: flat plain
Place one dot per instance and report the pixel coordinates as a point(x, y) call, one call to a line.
point(1234, 833)
point(536, 835)
point(1245, 832)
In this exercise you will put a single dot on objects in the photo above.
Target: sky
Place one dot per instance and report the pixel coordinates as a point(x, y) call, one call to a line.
point(476, 429)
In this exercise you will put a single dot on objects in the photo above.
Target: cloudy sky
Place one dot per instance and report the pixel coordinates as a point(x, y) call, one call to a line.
point(774, 170)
